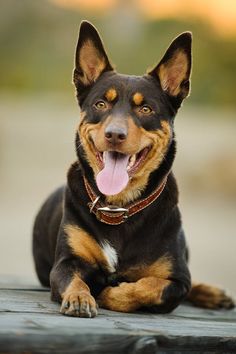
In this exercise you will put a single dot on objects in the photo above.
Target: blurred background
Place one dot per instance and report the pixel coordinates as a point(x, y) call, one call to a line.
point(38, 115)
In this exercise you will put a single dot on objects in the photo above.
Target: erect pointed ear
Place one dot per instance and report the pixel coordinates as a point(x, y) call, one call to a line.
point(90, 57)
point(174, 69)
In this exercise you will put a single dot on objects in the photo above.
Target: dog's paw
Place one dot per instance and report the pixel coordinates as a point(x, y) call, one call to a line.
point(79, 304)
point(210, 297)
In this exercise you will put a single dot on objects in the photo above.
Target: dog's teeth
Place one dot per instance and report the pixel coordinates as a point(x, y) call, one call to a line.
point(131, 162)
point(104, 156)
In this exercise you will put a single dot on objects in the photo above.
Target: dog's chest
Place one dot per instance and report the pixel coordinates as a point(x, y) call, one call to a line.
point(111, 255)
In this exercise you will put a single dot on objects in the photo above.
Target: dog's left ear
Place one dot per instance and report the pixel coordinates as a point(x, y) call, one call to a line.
point(90, 58)
point(174, 69)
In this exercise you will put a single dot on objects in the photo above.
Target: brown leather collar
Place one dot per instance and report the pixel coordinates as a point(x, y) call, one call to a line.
point(114, 215)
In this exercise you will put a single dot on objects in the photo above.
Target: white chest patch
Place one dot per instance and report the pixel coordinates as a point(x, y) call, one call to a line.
point(111, 255)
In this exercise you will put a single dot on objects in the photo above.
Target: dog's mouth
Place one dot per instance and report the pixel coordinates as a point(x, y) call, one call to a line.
point(116, 169)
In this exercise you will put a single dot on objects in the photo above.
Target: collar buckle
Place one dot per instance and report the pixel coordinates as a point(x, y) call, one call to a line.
point(112, 210)
point(93, 204)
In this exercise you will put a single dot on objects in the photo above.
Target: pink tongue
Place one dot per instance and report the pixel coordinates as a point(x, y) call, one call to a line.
point(114, 177)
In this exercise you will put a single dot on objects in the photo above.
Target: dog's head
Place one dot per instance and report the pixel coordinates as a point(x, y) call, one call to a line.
point(126, 124)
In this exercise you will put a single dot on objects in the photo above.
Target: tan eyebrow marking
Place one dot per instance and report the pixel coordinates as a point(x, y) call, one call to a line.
point(111, 94)
point(138, 98)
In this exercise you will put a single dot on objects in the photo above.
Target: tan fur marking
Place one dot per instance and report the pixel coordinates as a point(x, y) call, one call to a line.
point(160, 269)
point(76, 285)
point(173, 72)
point(111, 94)
point(138, 98)
point(159, 140)
point(84, 246)
point(147, 283)
point(85, 131)
point(128, 297)
point(77, 299)
point(209, 297)
point(91, 62)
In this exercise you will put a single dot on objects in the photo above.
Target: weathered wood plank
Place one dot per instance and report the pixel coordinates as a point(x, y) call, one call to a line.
point(29, 321)
point(21, 300)
point(18, 283)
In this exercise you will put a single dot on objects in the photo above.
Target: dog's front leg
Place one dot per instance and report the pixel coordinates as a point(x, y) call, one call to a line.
point(80, 265)
point(156, 294)
point(68, 287)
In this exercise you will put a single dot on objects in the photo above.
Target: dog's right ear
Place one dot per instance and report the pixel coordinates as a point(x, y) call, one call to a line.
point(90, 57)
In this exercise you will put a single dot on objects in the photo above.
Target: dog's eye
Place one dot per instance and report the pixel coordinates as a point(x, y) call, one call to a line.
point(145, 110)
point(100, 105)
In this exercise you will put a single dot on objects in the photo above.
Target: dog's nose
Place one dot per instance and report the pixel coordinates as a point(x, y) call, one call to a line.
point(115, 134)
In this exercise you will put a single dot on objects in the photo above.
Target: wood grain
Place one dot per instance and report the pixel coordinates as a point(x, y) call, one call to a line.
point(30, 322)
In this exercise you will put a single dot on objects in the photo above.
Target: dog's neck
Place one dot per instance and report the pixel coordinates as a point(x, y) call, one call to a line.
point(115, 215)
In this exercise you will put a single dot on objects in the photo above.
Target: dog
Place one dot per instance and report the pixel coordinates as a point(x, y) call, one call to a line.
point(113, 235)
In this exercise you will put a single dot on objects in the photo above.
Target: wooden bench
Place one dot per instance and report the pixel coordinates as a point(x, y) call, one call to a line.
point(31, 323)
